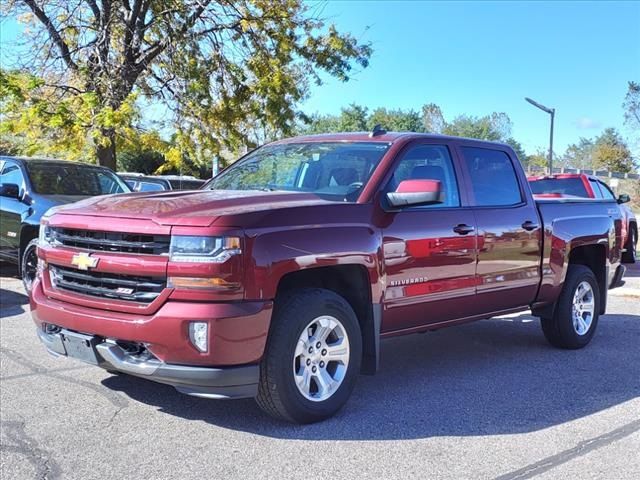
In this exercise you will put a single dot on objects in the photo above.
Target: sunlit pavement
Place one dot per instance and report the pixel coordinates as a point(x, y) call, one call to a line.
point(485, 400)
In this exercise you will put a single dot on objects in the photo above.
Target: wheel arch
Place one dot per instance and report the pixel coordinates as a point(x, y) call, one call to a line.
point(352, 282)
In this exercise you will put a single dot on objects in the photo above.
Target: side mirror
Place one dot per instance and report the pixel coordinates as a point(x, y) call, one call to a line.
point(624, 198)
point(416, 192)
point(10, 190)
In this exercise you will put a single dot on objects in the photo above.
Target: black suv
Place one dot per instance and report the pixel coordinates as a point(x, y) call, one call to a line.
point(31, 186)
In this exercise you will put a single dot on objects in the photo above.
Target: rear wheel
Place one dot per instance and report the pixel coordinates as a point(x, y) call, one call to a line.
point(312, 359)
point(629, 256)
point(29, 264)
point(576, 312)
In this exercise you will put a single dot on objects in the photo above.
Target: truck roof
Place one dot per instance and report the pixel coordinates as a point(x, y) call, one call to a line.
point(383, 137)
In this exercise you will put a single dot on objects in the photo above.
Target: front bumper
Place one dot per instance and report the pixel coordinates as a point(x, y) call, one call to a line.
point(208, 382)
point(237, 339)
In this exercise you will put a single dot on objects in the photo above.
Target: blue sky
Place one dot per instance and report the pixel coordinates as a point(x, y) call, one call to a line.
point(478, 57)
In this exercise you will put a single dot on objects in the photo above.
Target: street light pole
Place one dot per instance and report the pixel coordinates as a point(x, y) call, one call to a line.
point(552, 112)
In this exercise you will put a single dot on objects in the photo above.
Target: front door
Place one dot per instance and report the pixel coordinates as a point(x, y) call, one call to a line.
point(429, 251)
point(11, 211)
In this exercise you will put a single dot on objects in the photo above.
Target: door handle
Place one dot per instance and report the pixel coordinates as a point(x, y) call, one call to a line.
point(463, 229)
point(529, 226)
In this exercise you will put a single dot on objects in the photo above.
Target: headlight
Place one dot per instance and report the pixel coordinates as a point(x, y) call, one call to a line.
point(45, 237)
point(203, 249)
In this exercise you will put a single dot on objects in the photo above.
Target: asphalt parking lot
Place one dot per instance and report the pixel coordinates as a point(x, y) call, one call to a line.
point(485, 400)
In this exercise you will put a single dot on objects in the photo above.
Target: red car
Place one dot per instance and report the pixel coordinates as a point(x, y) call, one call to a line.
point(280, 277)
point(589, 186)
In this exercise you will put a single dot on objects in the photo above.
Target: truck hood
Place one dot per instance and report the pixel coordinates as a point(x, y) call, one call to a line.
point(199, 208)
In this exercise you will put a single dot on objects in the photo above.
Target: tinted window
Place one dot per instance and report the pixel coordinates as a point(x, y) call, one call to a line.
point(334, 170)
point(596, 189)
point(149, 187)
point(606, 191)
point(428, 162)
point(186, 184)
point(565, 186)
point(12, 174)
point(493, 177)
point(73, 179)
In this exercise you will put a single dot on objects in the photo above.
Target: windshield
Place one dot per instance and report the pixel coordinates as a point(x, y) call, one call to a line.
point(73, 179)
point(335, 171)
point(565, 186)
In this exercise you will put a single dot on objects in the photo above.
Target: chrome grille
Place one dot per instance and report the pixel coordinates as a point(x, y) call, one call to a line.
point(107, 285)
point(111, 241)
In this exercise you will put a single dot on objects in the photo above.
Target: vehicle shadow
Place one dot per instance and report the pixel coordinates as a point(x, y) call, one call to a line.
point(11, 303)
point(493, 377)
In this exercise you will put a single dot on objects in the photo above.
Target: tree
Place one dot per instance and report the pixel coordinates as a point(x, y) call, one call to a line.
point(539, 160)
point(216, 65)
point(631, 107)
point(612, 153)
point(432, 118)
point(517, 147)
point(493, 127)
point(579, 155)
point(353, 118)
point(396, 120)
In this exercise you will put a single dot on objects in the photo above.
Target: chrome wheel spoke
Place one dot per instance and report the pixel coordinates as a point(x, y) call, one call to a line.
point(338, 353)
point(583, 308)
point(321, 358)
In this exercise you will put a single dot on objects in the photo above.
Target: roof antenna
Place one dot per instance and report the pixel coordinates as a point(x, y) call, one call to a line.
point(377, 130)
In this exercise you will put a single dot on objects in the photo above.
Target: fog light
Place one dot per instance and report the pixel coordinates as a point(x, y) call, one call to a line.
point(199, 335)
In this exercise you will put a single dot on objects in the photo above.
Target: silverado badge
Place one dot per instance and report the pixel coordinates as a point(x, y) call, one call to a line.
point(84, 261)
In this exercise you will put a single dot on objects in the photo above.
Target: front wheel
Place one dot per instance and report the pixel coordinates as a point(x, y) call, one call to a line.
point(577, 310)
point(29, 265)
point(312, 359)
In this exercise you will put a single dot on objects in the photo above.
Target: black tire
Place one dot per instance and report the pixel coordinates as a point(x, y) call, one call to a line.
point(278, 394)
point(559, 329)
point(629, 256)
point(29, 264)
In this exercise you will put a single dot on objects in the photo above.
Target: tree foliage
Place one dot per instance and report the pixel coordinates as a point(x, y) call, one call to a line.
point(217, 66)
point(612, 153)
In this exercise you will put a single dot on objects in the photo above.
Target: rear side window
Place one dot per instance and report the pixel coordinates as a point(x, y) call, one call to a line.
point(428, 162)
point(493, 177)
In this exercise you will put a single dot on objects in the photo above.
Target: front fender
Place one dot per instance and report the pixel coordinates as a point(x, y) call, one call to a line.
point(274, 254)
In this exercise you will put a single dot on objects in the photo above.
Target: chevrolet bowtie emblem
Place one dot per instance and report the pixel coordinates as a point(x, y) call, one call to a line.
point(84, 261)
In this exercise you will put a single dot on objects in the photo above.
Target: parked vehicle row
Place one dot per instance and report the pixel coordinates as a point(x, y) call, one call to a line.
point(279, 279)
point(31, 186)
point(158, 183)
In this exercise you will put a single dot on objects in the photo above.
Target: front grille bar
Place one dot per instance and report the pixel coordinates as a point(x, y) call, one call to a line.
point(111, 241)
point(100, 284)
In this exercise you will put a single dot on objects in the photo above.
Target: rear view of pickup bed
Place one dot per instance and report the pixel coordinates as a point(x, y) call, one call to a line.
point(280, 277)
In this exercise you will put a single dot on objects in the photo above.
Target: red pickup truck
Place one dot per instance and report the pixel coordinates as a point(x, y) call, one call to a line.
point(589, 186)
point(280, 278)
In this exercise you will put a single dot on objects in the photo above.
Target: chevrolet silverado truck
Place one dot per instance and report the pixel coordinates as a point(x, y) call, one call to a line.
point(279, 279)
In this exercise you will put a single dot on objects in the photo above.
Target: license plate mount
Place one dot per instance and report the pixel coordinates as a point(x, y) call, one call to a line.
point(80, 346)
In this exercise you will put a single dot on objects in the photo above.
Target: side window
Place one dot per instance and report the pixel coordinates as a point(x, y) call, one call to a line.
point(428, 162)
point(607, 194)
point(493, 177)
point(12, 174)
point(596, 189)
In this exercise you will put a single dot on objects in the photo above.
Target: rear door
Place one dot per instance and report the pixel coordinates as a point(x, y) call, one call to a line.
point(509, 230)
point(429, 251)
